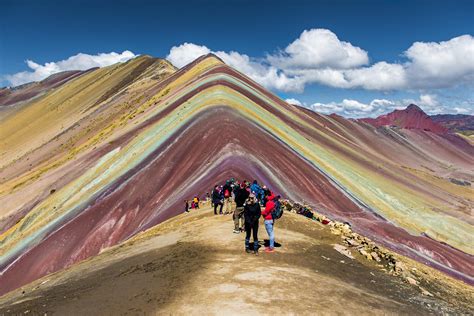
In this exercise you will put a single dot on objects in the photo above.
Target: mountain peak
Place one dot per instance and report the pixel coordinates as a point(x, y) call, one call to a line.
point(414, 108)
point(413, 117)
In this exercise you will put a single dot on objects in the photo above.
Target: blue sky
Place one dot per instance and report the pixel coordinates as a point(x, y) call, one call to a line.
point(377, 76)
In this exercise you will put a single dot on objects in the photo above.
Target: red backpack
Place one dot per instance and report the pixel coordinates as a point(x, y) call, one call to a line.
point(226, 193)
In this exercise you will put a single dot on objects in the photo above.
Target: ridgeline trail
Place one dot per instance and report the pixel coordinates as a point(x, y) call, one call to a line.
point(194, 264)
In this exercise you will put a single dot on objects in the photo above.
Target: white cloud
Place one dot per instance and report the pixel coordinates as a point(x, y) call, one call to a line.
point(429, 100)
point(77, 62)
point(185, 53)
point(319, 48)
point(341, 65)
point(352, 108)
point(264, 74)
point(356, 109)
point(462, 110)
point(319, 56)
point(293, 101)
point(441, 64)
point(380, 76)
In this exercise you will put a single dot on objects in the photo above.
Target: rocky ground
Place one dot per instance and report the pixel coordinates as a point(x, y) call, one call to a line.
point(194, 264)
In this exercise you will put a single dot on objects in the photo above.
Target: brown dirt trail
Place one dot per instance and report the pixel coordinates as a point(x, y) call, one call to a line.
point(194, 264)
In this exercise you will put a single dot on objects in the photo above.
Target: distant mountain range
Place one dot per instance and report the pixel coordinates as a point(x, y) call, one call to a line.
point(415, 118)
point(455, 122)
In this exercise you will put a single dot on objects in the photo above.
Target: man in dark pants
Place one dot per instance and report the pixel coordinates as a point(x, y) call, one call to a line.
point(241, 194)
point(252, 213)
point(217, 199)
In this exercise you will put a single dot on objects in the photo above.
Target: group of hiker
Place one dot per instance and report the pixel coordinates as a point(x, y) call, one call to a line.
point(249, 200)
point(194, 204)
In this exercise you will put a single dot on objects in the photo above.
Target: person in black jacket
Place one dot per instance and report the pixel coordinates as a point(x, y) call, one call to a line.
point(252, 214)
point(217, 199)
point(227, 192)
point(241, 194)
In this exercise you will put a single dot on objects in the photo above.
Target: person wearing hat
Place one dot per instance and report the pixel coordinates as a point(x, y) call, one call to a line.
point(252, 214)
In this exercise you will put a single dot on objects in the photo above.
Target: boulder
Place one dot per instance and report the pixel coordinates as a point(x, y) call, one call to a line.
point(400, 266)
point(411, 280)
point(375, 256)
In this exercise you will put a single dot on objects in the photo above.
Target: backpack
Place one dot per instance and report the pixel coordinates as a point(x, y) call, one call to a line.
point(226, 193)
point(277, 211)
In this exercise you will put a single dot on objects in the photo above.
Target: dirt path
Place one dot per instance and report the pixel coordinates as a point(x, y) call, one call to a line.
point(194, 264)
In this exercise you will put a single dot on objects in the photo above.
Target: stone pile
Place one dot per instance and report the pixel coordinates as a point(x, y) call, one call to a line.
point(363, 245)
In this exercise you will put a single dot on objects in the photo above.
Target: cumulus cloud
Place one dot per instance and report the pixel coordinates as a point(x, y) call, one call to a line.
point(318, 56)
point(77, 62)
point(293, 101)
point(319, 48)
point(354, 108)
point(342, 65)
point(185, 53)
point(441, 64)
point(380, 76)
point(264, 74)
point(357, 109)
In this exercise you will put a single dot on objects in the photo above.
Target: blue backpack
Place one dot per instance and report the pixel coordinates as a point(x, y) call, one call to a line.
point(278, 211)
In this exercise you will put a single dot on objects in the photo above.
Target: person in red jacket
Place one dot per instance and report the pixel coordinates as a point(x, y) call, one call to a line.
point(268, 220)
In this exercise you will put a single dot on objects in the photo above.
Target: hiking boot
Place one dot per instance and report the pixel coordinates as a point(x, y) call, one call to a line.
point(247, 250)
point(269, 250)
point(236, 231)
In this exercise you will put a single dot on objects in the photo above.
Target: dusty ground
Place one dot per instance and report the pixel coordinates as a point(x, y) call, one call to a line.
point(194, 264)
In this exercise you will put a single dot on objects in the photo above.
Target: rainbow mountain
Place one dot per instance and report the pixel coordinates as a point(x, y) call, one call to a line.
point(104, 154)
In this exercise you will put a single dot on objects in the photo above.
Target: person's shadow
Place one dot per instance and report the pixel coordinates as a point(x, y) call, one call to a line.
point(266, 243)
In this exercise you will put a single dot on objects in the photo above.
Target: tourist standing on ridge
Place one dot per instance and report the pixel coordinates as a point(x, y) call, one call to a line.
point(269, 222)
point(265, 193)
point(235, 188)
point(217, 199)
point(227, 191)
point(257, 190)
point(252, 213)
point(241, 195)
point(196, 201)
point(186, 207)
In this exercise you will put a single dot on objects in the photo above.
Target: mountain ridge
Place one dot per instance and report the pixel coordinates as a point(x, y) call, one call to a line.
point(152, 272)
point(177, 135)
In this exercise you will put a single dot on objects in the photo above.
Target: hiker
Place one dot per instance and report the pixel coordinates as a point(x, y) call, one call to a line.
point(186, 208)
point(196, 202)
point(217, 199)
point(227, 192)
point(252, 213)
point(269, 222)
point(247, 186)
point(235, 188)
point(257, 190)
point(265, 193)
point(241, 196)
